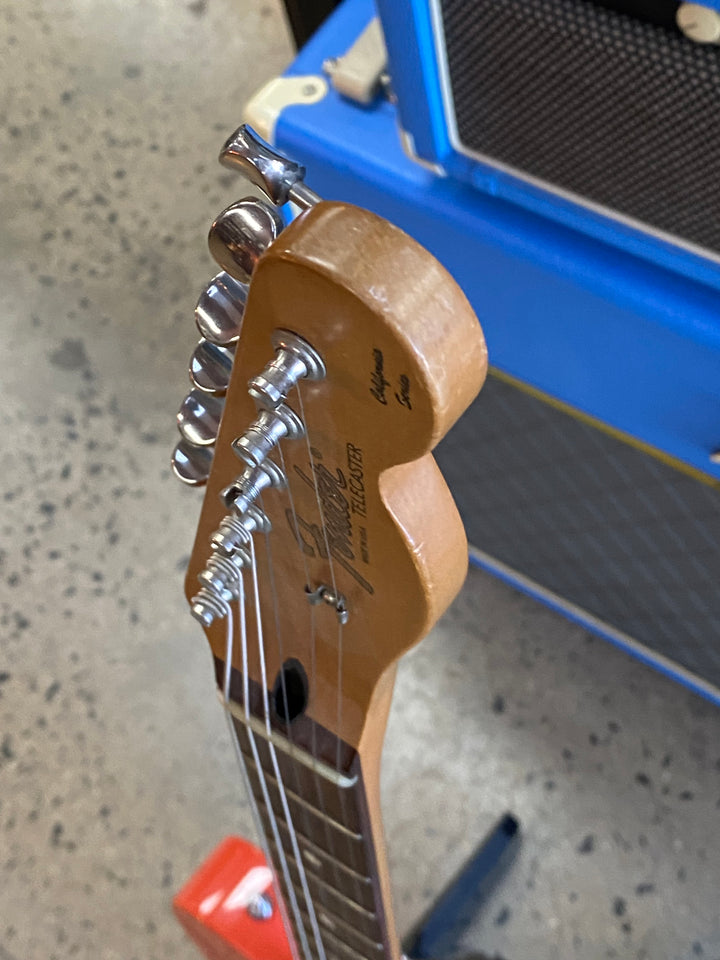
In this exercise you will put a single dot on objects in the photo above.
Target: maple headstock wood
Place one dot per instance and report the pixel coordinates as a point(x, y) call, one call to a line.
point(405, 356)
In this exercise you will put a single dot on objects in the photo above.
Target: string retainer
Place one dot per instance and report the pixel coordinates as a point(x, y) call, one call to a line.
point(325, 594)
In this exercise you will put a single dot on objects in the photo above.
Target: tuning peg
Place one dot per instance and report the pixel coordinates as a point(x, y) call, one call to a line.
point(241, 493)
point(234, 530)
point(191, 464)
point(205, 607)
point(211, 366)
point(241, 234)
point(199, 418)
point(220, 309)
point(280, 179)
point(219, 584)
point(220, 574)
point(267, 431)
point(294, 359)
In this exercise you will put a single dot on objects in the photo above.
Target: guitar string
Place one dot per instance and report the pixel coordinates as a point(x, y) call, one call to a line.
point(331, 566)
point(240, 757)
point(284, 866)
point(340, 674)
point(319, 791)
point(296, 776)
point(273, 755)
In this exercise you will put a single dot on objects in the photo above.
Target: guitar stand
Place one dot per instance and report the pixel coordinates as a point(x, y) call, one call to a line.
point(439, 934)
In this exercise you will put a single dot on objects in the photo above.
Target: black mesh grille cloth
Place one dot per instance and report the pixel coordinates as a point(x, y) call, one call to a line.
point(603, 105)
point(622, 535)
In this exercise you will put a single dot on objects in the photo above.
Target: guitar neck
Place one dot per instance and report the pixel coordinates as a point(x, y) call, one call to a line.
point(319, 809)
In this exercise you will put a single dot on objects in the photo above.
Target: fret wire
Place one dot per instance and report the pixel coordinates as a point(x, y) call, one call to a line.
point(373, 946)
point(341, 828)
point(332, 921)
point(348, 951)
point(344, 846)
point(282, 743)
point(367, 926)
point(321, 854)
point(368, 914)
point(345, 889)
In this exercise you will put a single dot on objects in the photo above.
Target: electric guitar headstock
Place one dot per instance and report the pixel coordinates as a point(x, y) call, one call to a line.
point(336, 353)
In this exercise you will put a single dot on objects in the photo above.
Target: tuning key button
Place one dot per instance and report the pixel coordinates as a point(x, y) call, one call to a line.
point(199, 418)
point(219, 313)
point(294, 359)
point(192, 464)
point(211, 366)
point(241, 493)
point(241, 234)
point(280, 179)
point(266, 432)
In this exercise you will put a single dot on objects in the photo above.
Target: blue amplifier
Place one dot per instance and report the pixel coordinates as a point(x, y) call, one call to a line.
point(597, 118)
point(588, 471)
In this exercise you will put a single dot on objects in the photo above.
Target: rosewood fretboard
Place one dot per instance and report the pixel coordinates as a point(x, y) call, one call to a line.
point(328, 809)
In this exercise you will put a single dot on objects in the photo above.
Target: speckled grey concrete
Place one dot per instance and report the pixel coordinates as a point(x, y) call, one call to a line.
point(116, 776)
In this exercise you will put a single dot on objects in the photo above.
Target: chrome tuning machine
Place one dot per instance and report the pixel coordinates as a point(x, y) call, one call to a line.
point(219, 585)
point(294, 360)
point(234, 530)
point(198, 418)
point(241, 234)
point(191, 464)
point(198, 421)
point(211, 366)
point(241, 493)
point(219, 311)
point(280, 179)
point(264, 433)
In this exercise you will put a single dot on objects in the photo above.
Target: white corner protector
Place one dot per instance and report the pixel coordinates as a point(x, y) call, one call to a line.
point(264, 108)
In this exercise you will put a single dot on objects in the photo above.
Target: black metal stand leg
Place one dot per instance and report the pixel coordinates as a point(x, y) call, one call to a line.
point(438, 934)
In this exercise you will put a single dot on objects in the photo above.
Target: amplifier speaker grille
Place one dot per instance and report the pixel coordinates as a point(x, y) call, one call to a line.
point(596, 103)
point(620, 534)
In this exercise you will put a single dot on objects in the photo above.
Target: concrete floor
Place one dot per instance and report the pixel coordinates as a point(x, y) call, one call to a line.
point(116, 776)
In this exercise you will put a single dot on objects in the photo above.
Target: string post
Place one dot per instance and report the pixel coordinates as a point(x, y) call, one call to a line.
point(324, 594)
point(239, 496)
point(294, 360)
point(264, 433)
point(220, 574)
point(234, 530)
point(205, 607)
